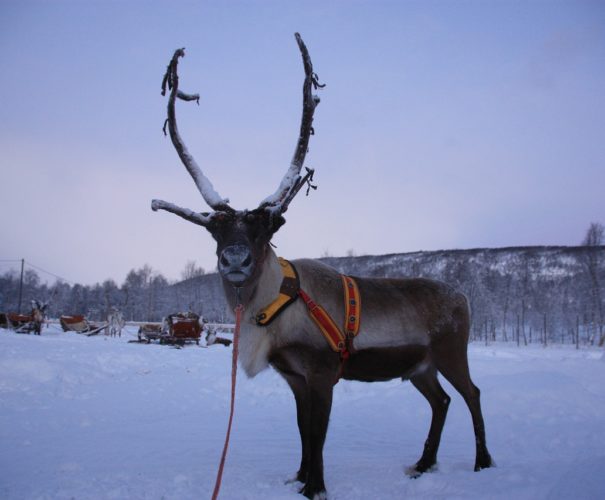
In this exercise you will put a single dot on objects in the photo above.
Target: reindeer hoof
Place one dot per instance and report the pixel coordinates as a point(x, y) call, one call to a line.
point(415, 471)
point(484, 462)
point(313, 492)
point(320, 495)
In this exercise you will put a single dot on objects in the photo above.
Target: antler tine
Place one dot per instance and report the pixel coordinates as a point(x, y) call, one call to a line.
point(201, 219)
point(205, 187)
point(292, 181)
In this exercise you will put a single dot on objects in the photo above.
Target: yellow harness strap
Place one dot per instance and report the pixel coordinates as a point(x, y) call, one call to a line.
point(288, 293)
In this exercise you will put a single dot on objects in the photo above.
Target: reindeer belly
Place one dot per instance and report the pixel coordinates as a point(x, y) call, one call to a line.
point(384, 363)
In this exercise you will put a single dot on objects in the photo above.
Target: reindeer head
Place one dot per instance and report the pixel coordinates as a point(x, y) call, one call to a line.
point(242, 236)
point(38, 310)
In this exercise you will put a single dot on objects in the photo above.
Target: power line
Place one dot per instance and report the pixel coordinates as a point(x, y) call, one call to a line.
point(38, 268)
point(48, 272)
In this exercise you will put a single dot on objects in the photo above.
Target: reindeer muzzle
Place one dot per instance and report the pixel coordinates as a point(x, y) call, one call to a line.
point(235, 264)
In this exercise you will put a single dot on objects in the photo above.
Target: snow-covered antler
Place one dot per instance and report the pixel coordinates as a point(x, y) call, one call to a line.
point(201, 219)
point(205, 187)
point(292, 182)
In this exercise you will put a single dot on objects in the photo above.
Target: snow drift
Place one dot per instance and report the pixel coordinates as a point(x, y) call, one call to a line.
point(99, 418)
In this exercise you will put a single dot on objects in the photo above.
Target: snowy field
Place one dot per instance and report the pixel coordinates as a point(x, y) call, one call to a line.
point(99, 418)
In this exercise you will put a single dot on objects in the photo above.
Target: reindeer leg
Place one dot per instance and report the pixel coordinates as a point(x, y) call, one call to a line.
point(310, 374)
point(453, 364)
point(429, 386)
point(299, 387)
point(320, 394)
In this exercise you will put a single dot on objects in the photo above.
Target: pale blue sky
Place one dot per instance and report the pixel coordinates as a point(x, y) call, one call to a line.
point(443, 125)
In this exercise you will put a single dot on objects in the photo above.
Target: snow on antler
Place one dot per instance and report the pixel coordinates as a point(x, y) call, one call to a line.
point(201, 219)
point(203, 184)
point(292, 181)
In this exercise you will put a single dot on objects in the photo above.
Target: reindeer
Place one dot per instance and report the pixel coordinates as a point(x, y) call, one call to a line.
point(38, 314)
point(115, 322)
point(410, 328)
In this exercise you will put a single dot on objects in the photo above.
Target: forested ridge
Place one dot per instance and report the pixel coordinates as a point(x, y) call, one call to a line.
point(514, 293)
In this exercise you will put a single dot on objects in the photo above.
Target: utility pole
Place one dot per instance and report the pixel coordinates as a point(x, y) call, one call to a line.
point(21, 286)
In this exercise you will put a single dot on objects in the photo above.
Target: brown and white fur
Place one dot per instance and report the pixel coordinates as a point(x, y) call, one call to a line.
point(410, 328)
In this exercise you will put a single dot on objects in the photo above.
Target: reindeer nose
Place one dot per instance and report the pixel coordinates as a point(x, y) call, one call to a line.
point(235, 263)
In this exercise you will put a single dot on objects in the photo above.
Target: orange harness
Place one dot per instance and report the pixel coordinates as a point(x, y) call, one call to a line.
point(340, 341)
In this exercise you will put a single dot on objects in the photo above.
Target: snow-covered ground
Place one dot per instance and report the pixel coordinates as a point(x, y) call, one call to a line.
point(101, 418)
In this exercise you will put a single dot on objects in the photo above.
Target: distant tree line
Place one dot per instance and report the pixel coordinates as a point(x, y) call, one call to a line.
point(520, 294)
point(145, 295)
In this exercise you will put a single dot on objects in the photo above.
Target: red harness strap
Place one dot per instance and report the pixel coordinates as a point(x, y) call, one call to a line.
point(352, 310)
point(340, 342)
point(326, 324)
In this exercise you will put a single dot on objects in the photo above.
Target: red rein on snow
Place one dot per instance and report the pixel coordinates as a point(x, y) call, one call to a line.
point(238, 319)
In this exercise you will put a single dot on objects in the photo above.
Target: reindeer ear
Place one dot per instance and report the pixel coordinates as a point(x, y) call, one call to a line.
point(278, 222)
point(275, 223)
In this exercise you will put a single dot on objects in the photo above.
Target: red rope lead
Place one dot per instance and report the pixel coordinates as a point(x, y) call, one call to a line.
point(238, 319)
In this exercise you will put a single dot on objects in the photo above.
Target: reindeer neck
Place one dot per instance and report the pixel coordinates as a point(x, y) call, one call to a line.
point(262, 289)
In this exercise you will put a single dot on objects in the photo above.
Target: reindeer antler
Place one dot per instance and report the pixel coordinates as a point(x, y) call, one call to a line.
point(292, 182)
point(205, 187)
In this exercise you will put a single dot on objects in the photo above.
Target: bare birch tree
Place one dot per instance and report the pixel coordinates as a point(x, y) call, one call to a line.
point(593, 242)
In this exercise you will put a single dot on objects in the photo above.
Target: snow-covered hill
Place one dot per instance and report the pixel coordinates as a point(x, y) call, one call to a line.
point(521, 292)
point(100, 418)
point(517, 291)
